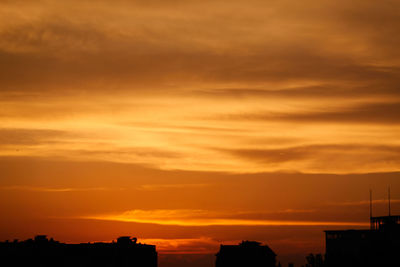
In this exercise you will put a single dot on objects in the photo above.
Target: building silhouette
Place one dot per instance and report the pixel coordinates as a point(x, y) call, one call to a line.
point(378, 246)
point(246, 254)
point(42, 252)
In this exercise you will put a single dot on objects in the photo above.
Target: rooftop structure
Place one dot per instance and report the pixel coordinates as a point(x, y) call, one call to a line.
point(246, 254)
point(43, 252)
point(375, 247)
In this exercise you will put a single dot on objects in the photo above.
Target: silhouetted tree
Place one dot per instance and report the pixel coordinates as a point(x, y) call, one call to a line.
point(314, 260)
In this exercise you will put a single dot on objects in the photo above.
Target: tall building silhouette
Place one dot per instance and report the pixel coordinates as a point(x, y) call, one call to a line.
point(246, 254)
point(42, 252)
point(378, 246)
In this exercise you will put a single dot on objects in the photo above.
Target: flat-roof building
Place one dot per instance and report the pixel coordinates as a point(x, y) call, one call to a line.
point(378, 246)
point(246, 254)
point(43, 252)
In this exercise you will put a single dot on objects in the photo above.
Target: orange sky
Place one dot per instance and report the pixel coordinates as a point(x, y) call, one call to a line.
point(194, 123)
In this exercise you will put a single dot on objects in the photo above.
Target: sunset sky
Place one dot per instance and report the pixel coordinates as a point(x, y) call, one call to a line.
point(191, 124)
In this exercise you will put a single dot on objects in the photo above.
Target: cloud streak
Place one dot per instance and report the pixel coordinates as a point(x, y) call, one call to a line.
point(202, 218)
point(376, 113)
point(158, 187)
point(56, 189)
point(364, 202)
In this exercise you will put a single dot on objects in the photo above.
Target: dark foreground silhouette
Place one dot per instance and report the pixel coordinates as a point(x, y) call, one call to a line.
point(247, 253)
point(378, 246)
point(45, 253)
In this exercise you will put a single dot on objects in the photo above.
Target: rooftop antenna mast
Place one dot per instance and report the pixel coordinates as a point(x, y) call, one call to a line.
point(370, 203)
point(370, 209)
point(389, 199)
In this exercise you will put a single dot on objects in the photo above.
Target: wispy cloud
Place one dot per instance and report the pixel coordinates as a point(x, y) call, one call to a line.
point(201, 245)
point(297, 211)
point(56, 189)
point(370, 113)
point(206, 218)
point(336, 158)
point(157, 187)
point(363, 202)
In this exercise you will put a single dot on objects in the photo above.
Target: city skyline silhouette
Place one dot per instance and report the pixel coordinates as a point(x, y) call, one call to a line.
point(376, 246)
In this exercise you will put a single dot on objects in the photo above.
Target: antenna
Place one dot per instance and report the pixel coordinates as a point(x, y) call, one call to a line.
point(389, 198)
point(370, 210)
point(370, 203)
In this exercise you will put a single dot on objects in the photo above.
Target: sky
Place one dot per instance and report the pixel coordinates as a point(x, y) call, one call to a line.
point(191, 124)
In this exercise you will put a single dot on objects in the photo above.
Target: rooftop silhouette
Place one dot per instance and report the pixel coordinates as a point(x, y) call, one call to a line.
point(246, 254)
point(45, 252)
point(378, 246)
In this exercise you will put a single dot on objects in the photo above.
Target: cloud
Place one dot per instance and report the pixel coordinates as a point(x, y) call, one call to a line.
point(331, 91)
point(129, 152)
point(159, 187)
point(56, 189)
point(205, 218)
point(201, 245)
point(10, 136)
point(373, 113)
point(363, 202)
point(328, 154)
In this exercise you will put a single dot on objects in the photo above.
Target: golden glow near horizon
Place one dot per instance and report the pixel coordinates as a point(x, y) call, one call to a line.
point(201, 218)
point(137, 112)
